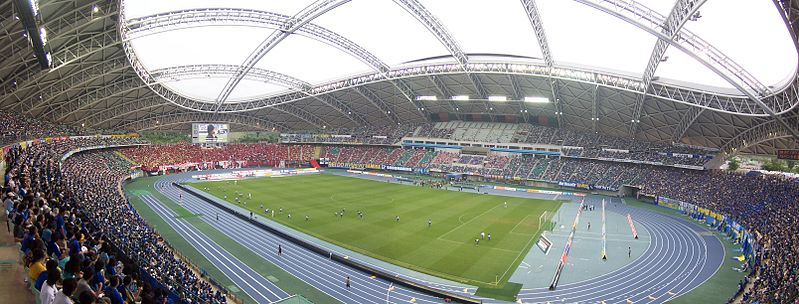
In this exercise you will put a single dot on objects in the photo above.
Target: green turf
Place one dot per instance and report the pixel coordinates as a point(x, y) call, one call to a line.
point(285, 281)
point(505, 293)
point(446, 249)
point(723, 284)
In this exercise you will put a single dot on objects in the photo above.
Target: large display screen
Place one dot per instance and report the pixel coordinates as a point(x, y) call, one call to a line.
point(788, 154)
point(209, 133)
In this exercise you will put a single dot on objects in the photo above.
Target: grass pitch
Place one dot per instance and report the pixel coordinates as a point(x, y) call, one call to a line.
point(446, 248)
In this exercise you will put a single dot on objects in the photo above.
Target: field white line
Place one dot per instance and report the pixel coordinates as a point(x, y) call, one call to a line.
point(469, 221)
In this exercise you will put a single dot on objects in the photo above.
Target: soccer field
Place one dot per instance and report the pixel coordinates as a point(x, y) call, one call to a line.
point(446, 248)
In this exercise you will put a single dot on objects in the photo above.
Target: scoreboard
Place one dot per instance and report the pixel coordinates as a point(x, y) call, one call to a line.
point(788, 154)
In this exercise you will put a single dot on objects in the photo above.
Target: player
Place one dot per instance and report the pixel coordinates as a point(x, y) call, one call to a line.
point(307, 218)
point(477, 242)
point(489, 236)
point(398, 218)
point(482, 235)
point(506, 204)
point(429, 223)
point(289, 215)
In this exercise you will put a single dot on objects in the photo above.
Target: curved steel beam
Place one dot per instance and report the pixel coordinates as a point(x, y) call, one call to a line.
point(682, 11)
point(692, 45)
point(144, 104)
point(441, 87)
point(59, 28)
point(87, 46)
point(531, 10)
point(202, 70)
point(26, 95)
point(686, 120)
point(158, 120)
point(418, 11)
point(116, 88)
point(760, 133)
point(378, 102)
point(77, 80)
point(303, 17)
point(177, 20)
point(111, 113)
point(519, 95)
point(302, 114)
point(730, 104)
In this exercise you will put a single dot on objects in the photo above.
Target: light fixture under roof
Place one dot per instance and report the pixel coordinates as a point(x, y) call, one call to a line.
point(497, 98)
point(460, 97)
point(536, 99)
point(427, 97)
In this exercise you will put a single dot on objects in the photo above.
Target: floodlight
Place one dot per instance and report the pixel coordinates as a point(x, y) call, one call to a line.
point(536, 99)
point(43, 34)
point(497, 98)
point(34, 6)
point(460, 97)
point(427, 97)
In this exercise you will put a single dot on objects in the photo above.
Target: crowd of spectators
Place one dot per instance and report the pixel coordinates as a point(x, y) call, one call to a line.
point(154, 156)
point(17, 128)
point(78, 234)
point(767, 204)
point(380, 135)
point(575, 143)
point(75, 217)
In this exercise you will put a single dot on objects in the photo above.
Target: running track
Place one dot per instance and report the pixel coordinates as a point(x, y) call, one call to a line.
point(679, 258)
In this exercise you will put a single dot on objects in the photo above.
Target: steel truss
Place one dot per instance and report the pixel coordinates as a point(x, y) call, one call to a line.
point(766, 131)
point(84, 46)
point(518, 94)
point(127, 83)
point(686, 120)
point(531, 10)
point(378, 102)
point(682, 11)
point(287, 28)
point(439, 31)
point(651, 21)
point(446, 94)
point(75, 81)
point(154, 24)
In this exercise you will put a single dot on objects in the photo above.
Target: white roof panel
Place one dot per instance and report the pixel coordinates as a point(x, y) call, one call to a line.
point(251, 89)
point(494, 27)
point(580, 34)
point(202, 45)
point(752, 34)
point(384, 29)
point(203, 89)
point(684, 68)
point(311, 60)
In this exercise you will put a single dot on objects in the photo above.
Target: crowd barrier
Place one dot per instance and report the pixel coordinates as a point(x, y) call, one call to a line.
point(334, 256)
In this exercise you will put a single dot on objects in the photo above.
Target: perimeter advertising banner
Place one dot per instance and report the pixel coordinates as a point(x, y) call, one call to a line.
point(202, 133)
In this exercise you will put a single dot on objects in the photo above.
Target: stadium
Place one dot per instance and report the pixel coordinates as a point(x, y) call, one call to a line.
point(405, 151)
